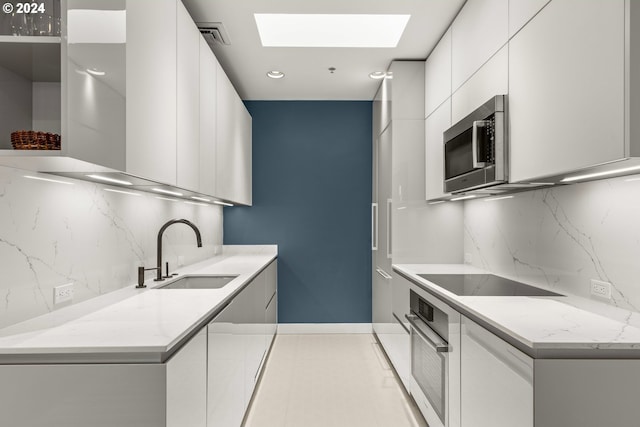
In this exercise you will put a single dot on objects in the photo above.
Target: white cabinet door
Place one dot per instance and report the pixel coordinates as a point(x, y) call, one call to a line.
point(434, 127)
point(270, 302)
point(437, 75)
point(521, 11)
point(187, 384)
point(479, 31)
point(151, 90)
point(400, 354)
point(233, 139)
point(490, 80)
point(496, 381)
point(208, 104)
point(253, 329)
point(407, 96)
point(566, 89)
point(188, 98)
point(225, 375)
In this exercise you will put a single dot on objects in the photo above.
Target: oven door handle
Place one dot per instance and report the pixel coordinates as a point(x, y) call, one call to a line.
point(427, 334)
point(474, 142)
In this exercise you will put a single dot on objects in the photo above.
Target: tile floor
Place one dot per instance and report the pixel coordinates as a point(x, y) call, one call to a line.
point(340, 380)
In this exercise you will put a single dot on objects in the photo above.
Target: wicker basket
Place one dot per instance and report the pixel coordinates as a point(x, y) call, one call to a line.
point(32, 140)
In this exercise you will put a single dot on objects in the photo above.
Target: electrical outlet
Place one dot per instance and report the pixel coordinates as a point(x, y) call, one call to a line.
point(62, 293)
point(601, 289)
point(468, 258)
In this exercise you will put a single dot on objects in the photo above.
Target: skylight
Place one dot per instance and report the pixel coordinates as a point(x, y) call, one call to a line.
point(335, 30)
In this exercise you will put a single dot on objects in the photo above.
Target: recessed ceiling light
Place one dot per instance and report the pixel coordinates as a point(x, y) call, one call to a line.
point(377, 75)
point(330, 30)
point(95, 72)
point(274, 74)
point(173, 193)
point(222, 203)
point(47, 179)
point(597, 174)
point(107, 179)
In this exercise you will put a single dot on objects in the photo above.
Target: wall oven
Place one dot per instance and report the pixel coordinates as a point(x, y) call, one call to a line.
point(476, 149)
point(435, 359)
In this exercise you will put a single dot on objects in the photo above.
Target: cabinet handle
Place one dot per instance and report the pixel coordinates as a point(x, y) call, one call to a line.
point(374, 226)
point(384, 274)
point(474, 141)
point(431, 338)
point(389, 234)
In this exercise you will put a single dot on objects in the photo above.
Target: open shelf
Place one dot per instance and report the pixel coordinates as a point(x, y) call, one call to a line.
point(30, 39)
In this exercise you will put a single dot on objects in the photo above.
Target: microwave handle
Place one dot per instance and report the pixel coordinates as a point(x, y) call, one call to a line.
point(474, 142)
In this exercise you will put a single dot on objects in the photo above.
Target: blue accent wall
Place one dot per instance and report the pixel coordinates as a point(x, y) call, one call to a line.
point(312, 197)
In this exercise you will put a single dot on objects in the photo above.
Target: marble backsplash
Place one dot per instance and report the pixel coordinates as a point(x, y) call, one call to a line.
point(52, 234)
point(562, 237)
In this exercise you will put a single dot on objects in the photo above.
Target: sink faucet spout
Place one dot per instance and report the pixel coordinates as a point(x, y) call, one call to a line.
point(159, 277)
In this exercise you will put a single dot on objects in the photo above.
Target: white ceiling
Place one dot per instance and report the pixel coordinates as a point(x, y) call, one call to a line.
point(306, 69)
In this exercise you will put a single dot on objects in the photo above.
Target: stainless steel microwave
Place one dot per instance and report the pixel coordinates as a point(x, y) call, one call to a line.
point(476, 149)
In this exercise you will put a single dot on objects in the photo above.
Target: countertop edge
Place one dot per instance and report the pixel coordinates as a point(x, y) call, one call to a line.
point(533, 350)
point(131, 355)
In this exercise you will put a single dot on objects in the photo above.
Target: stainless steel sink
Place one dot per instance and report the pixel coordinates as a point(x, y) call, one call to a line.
point(200, 282)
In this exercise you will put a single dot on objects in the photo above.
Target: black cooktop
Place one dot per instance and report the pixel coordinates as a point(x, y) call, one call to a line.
point(485, 285)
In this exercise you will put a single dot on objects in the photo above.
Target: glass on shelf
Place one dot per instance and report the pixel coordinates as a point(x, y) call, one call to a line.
point(18, 21)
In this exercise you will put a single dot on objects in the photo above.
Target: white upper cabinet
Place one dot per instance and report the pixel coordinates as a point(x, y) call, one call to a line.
point(521, 11)
point(479, 31)
point(566, 89)
point(407, 96)
point(435, 125)
point(208, 105)
point(151, 78)
point(188, 97)
point(437, 75)
point(233, 139)
point(490, 80)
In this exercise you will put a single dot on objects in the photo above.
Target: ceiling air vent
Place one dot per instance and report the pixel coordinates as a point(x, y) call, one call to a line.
point(214, 32)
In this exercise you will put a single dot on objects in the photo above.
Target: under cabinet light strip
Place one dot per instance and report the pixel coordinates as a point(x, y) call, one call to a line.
point(437, 202)
point(167, 199)
point(463, 198)
point(48, 180)
point(597, 174)
point(202, 199)
point(172, 193)
point(107, 179)
point(121, 192)
point(222, 203)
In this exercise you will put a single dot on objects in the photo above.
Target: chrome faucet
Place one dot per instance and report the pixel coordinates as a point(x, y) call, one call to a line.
point(159, 276)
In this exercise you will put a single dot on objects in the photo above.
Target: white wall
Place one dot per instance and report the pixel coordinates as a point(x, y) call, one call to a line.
point(52, 234)
point(563, 237)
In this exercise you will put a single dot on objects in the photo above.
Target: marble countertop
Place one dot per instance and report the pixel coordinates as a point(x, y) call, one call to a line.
point(542, 327)
point(142, 328)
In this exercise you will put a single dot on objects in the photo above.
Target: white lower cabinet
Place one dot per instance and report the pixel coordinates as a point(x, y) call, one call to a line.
point(187, 384)
point(238, 341)
point(496, 381)
point(171, 394)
